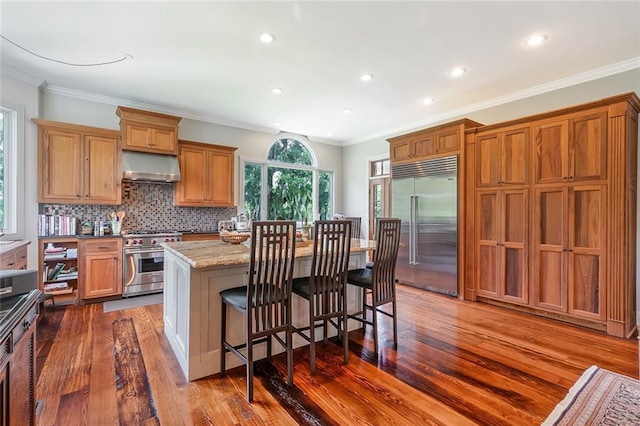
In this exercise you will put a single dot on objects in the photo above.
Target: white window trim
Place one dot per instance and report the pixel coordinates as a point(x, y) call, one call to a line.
point(14, 172)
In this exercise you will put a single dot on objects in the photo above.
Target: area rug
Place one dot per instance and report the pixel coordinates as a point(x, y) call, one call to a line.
point(599, 397)
point(132, 302)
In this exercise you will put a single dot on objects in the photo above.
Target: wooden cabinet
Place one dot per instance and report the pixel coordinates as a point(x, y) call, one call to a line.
point(78, 164)
point(569, 243)
point(435, 141)
point(571, 149)
point(579, 253)
point(100, 268)
point(503, 245)
point(148, 131)
point(14, 255)
point(206, 175)
point(58, 260)
point(17, 367)
point(200, 237)
point(502, 157)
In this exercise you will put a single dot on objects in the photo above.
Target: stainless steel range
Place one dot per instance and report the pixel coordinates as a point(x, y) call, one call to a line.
point(143, 260)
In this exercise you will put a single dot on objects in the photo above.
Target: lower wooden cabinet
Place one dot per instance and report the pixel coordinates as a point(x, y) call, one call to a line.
point(17, 371)
point(14, 258)
point(200, 237)
point(100, 267)
point(503, 240)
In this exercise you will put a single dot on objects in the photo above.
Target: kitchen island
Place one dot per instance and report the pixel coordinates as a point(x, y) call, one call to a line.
point(195, 273)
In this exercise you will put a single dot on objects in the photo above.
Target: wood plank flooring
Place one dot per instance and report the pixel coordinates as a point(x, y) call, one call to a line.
point(457, 363)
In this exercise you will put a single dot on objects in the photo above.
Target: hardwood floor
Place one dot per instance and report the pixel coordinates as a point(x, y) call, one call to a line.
point(457, 363)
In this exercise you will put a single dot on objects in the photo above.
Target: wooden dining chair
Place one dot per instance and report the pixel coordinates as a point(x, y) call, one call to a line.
point(379, 281)
point(356, 223)
point(325, 287)
point(266, 300)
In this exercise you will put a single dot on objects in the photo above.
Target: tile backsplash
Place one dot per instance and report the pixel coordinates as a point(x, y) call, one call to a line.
point(147, 206)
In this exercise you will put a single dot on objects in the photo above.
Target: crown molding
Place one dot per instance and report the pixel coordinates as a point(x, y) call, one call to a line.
point(562, 83)
point(22, 76)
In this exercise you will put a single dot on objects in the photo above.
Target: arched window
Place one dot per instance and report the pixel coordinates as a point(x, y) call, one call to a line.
point(288, 184)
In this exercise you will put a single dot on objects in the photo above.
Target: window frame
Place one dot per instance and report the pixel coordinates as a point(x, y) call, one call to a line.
point(13, 128)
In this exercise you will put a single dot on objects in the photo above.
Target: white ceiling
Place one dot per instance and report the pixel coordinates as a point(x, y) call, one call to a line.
point(203, 60)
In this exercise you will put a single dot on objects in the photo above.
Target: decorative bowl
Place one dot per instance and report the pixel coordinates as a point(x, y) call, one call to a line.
point(234, 238)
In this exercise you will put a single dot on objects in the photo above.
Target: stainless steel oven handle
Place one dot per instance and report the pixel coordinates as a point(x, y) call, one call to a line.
point(142, 250)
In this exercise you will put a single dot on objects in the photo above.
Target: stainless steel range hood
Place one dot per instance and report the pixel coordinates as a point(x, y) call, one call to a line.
point(145, 167)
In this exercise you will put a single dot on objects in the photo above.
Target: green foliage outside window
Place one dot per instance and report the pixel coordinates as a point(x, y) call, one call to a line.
point(289, 195)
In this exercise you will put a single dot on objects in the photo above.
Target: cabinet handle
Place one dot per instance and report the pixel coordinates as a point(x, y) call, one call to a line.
point(10, 264)
point(570, 177)
point(103, 247)
point(26, 325)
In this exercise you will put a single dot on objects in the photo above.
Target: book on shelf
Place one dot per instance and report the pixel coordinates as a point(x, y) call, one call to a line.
point(56, 286)
point(53, 272)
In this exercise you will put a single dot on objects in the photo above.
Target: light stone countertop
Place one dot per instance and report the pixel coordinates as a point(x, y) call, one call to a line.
point(203, 254)
point(7, 246)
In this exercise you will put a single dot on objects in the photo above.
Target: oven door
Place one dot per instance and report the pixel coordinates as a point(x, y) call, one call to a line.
point(143, 271)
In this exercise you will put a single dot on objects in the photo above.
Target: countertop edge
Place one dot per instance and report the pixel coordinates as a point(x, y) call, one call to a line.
point(6, 248)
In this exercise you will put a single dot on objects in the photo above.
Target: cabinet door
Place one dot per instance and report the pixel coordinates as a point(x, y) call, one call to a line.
point(513, 246)
point(488, 158)
point(101, 272)
point(550, 245)
point(586, 269)
point(448, 141)
point(400, 150)
point(220, 177)
point(164, 140)
point(423, 146)
point(193, 186)
point(551, 152)
point(137, 136)
point(101, 180)
point(588, 147)
point(488, 264)
point(22, 380)
point(61, 166)
point(515, 157)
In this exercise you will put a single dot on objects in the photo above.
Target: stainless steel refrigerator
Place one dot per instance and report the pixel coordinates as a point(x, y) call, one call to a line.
point(425, 197)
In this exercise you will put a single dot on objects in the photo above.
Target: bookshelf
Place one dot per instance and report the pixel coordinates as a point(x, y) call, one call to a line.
point(58, 260)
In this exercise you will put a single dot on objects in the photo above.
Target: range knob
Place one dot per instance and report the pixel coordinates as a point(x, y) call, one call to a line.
point(140, 241)
point(154, 242)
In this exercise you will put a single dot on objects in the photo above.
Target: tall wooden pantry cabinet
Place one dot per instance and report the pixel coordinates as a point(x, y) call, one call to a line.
point(552, 210)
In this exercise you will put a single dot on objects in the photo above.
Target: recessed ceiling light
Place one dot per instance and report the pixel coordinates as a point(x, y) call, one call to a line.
point(330, 134)
point(428, 101)
point(276, 124)
point(347, 110)
point(535, 40)
point(366, 77)
point(457, 72)
point(267, 38)
point(276, 91)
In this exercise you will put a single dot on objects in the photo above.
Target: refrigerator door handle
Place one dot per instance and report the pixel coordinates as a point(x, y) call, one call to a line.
point(416, 230)
point(411, 230)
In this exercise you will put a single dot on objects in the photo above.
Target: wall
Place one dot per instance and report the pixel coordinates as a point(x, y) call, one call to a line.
point(358, 156)
point(19, 93)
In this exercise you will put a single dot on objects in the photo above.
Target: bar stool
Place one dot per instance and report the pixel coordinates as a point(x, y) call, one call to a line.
point(325, 288)
point(266, 300)
point(379, 280)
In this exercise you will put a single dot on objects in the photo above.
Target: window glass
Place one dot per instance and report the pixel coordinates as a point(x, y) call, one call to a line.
point(325, 184)
point(2, 168)
point(253, 189)
point(11, 193)
point(290, 151)
point(290, 194)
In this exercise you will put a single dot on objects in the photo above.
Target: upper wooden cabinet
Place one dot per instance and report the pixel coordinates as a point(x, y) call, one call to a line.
point(435, 141)
point(502, 157)
point(571, 149)
point(148, 131)
point(206, 175)
point(78, 164)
